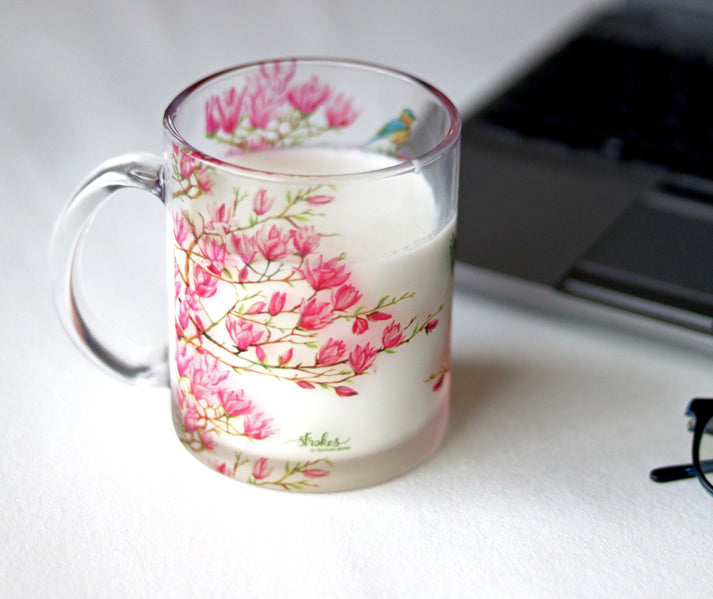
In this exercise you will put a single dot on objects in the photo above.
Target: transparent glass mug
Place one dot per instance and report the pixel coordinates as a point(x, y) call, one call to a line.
point(311, 210)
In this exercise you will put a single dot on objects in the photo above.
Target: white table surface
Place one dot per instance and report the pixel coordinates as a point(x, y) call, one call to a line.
point(541, 488)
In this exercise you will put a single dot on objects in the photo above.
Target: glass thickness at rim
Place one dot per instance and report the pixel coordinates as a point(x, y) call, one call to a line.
point(448, 141)
point(701, 411)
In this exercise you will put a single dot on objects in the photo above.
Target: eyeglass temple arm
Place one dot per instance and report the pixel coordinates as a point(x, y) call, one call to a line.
point(679, 472)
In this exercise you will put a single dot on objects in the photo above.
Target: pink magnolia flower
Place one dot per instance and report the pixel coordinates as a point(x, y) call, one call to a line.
point(220, 216)
point(261, 469)
point(243, 333)
point(315, 315)
point(306, 240)
point(262, 203)
point(212, 371)
point(340, 112)
point(257, 426)
point(309, 96)
point(184, 359)
point(212, 115)
point(277, 303)
point(181, 230)
point(190, 419)
point(285, 357)
point(345, 297)
point(360, 326)
point(213, 248)
point(187, 165)
point(391, 336)
point(204, 181)
point(207, 439)
point(268, 92)
point(245, 247)
point(204, 284)
point(256, 307)
point(319, 200)
point(273, 243)
point(379, 316)
point(323, 275)
point(362, 357)
point(234, 402)
point(330, 353)
point(224, 112)
point(344, 391)
point(315, 472)
point(183, 319)
point(431, 325)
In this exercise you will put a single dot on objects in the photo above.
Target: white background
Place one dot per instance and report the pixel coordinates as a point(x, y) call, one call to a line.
point(541, 488)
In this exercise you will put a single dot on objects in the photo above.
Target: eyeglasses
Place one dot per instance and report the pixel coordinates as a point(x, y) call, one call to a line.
point(700, 411)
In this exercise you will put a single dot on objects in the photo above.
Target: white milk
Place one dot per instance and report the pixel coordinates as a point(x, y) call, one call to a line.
point(385, 231)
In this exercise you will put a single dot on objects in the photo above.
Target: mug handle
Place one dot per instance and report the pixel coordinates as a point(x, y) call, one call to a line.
point(139, 365)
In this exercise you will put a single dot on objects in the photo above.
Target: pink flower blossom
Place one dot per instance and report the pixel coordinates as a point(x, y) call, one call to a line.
point(234, 402)
point(261, 470)
point(362, 357)
point(379, 316)
point(319, 200)
point(273, 243)
point(207, 439)
point(187, 165)
point(268, 92)
point(262, 203)
point(245, 247)
point(360, 326)
point(331, 352)
point(220, 217)
point(183, 319)
point(260, 353)
point(391, 336)
point(277, 303)
point(323, 275)
point(340, 112)
point(315, 472)
point(204, 385)
point(204, 181)
point(431, 325)
point(315, 315)
point(344, 391)
point(243, 333)
point(345, 297)
point(305, 385)
point(213, 250)
point(181, 230)
point(212, 115)
point(190, 419)
point(224, 112)
point(309, 96)
point(305, 240)
point(285, 357)
point(256, 307)
point(204, 284)
point(184, 359)
point(258, 426)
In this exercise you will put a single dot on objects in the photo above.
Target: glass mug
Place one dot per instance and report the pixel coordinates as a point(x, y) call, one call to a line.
point(311, 210)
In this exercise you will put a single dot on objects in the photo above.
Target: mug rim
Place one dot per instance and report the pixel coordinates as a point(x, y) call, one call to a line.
point(414, 164)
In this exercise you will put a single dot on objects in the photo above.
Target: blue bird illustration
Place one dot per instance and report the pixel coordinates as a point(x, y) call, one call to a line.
point(397, 130)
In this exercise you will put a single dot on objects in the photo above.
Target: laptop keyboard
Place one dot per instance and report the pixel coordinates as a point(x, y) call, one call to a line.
point(623, 102)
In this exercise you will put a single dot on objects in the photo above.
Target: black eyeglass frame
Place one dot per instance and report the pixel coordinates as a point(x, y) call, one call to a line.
point(700, 410)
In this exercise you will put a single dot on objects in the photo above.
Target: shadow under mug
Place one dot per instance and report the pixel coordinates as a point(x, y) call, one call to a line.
point(311, 210)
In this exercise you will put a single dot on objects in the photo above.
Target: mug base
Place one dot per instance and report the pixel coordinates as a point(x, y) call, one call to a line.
point(329, 471)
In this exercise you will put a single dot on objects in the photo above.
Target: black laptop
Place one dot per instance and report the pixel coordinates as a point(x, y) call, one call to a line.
point(592, 173)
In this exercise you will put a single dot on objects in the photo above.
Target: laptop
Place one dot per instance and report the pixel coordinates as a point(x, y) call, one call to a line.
point(591, 173)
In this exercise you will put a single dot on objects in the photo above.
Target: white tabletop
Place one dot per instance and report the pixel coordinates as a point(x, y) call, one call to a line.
point(541, 488)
